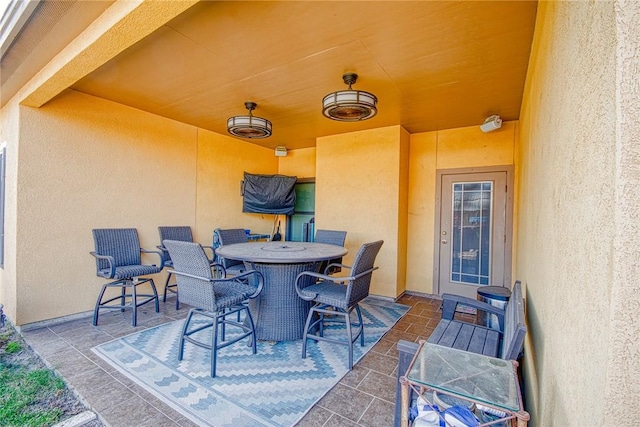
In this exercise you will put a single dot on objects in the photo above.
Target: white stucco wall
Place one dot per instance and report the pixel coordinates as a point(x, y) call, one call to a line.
point(573, 234)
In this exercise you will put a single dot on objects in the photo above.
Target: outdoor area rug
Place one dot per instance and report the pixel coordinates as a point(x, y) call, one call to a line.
point(274, 387)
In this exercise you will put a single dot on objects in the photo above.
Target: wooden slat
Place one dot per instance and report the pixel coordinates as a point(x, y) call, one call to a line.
point(437, 333)
point(492, 344)
point(450, 335)
point(476, 345)
point(464, 337)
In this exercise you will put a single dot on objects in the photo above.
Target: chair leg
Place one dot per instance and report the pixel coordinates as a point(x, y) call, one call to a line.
point(134, 306)
point(361, 326)
point(349, 339)
point(321, 324)
point(155, 295)
point(307, 324)
point(97, 309)
point(185, 328)
point(214, 344)
point(253, 329)
point(123, 295)
point(166, 286)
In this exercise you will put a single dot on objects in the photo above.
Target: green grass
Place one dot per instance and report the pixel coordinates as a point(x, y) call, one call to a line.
point(13, 347)
point(24, 394)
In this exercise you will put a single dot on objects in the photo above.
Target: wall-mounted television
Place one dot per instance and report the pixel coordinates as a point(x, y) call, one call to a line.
point(268, 194)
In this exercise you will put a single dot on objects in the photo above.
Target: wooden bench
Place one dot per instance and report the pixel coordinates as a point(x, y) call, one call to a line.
point(507, 343)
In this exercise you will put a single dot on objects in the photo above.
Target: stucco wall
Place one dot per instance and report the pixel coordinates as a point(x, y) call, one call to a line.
point(357, 189)
point(88, 163)
point(300, 163)
point(623, 381)
point(448, 149)
point(222, 161)
point(568, 221)
point(9, 120)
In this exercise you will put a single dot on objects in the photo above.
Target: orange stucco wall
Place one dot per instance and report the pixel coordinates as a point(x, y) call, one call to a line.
point(432, 151)
point(86, 163)
point(358, 189)
point(300, 163)
point(94, 163)
point(222, 161)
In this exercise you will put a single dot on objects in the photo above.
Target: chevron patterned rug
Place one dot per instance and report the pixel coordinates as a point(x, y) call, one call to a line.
point(274, 387)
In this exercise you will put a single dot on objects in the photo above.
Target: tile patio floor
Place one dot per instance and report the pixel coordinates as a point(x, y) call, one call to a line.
point(364, 397)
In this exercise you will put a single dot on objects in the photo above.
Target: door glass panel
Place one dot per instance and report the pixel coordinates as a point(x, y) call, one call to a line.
point(471, 232)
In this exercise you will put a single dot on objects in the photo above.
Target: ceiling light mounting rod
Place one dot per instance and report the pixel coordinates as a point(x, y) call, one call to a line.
point(350, 79)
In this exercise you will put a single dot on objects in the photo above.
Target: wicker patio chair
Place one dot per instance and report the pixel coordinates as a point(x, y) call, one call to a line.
point(117, 253)
point(216, 299)
point(331, 237)
point(230, 236)
point(181, 233)
point(335, 300)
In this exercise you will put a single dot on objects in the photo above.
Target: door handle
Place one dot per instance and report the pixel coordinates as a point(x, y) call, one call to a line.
point(444, 241)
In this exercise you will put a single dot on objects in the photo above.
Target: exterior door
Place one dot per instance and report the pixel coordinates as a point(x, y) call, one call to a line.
point(474, 232)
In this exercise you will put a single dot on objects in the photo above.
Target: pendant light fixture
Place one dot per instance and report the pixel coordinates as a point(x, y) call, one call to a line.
point(249, 126)
point(349, 105)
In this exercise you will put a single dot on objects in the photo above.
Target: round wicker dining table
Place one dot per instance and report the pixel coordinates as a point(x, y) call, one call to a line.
point(278, 312)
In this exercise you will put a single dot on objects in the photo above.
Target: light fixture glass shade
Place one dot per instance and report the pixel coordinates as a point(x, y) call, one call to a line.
point(249, 126)
point(349, 105)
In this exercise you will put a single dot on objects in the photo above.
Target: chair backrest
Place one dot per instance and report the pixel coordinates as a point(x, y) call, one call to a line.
point(331, 237)
point(358, 289)
point(190, 258)
point(230, 236)
point(120, 243)
point(515, 328)
point(180, 232)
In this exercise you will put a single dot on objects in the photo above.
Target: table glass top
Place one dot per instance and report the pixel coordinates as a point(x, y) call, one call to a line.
point(477, 377)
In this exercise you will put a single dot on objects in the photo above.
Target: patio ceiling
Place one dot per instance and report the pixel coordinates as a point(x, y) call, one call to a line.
point(432, 64)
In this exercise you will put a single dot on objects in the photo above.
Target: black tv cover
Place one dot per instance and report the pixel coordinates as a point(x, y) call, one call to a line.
point(269, 194)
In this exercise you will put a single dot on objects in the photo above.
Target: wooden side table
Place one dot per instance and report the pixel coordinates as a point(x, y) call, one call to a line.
point(476, 378)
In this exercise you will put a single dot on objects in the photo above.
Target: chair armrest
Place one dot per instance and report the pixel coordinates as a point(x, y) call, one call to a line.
point(218, 267)
point(159, 253)
point(247, 274)
point(213, 253)
point(450, 303)
point(334, 279)
point(311, 274)
point(233, 279)
point(335, 264)
point(110, 260)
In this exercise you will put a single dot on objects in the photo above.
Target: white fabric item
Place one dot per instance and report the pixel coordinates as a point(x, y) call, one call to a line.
point(427, 415)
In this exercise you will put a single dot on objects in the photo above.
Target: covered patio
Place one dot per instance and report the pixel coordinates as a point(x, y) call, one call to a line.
point(114, 115)
point(364, 397)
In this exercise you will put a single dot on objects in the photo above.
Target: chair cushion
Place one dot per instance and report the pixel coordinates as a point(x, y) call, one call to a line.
point(229, 294)
point(327, 293)
point(129, 271)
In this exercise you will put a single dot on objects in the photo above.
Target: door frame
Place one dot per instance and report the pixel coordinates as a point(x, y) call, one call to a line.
point(508, 249)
